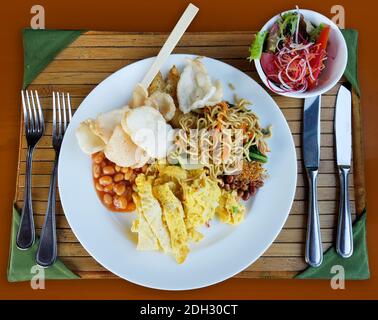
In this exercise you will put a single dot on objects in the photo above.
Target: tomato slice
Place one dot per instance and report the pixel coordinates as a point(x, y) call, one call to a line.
point(322, 41)
point(269, 65)
point(323, 37)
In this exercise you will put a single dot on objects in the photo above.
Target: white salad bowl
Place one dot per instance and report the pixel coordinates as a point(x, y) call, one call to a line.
point(337, 57)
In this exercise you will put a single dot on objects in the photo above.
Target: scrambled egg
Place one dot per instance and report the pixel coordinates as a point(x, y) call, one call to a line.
point(146, 238)
point(173, 213)
point(230, 210)
point(151, 211)
point(200, 198)
point(173, 202)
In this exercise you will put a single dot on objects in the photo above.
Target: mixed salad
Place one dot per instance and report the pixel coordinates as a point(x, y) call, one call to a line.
point(292, 52)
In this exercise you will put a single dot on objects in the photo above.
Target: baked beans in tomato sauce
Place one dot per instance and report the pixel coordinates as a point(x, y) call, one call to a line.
point(114, 184)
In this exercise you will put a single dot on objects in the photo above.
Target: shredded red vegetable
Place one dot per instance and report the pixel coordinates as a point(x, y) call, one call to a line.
point(293, 62)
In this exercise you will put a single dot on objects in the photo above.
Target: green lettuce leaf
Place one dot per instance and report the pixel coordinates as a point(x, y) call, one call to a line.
point(288, 23)
point(257, 45)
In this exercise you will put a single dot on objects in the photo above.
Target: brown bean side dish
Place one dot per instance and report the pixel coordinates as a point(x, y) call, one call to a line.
point(247, 182)
point(114, 184)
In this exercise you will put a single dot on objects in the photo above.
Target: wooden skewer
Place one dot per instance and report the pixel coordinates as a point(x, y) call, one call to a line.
point(170, 44)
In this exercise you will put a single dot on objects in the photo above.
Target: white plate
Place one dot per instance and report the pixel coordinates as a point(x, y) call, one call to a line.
point(225, 250)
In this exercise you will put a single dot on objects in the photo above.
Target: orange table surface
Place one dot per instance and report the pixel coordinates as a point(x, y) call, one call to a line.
point(148, 15)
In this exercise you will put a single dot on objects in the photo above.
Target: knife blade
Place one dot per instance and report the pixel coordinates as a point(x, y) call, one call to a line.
point(343, 127)
point(343, 136)
point(311, 157)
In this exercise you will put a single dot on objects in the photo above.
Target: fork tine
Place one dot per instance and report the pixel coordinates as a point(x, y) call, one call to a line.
point(54, 116)
point(25, 112)
point(35, 118)
point(69, 107)
point(64, 113)
point(59, 115)
point(40, 113)
point(31, 119)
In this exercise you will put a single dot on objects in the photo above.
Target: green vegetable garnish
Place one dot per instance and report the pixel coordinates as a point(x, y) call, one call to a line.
point(288, 23)
point(316, 31)
point(255, 154)
point(257, 45)
point(235, 209)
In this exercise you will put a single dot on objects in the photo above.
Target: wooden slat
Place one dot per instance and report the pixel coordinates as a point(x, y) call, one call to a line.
point(158, 39)
point(292, 112)
point(262, 264)
point(328, 102)
point(43, 167)
point(285, 236)
point(325, 207)
point(70, 78)
point(115, 53)
point(110, 66)
point(299, 207)
point(41, 154)
point(74, 249)
point(326, 153)
point(84, 89)
point(94, 274)
point(267, 274)
point(324, 180)
point(295, 127)
point(299, 236)
point(88, 78)
point(91, 78)
point(324, 193)
point(95, 55)
point(244, 274)
point(61, 222)
point(87, 264)
point(326, 127)
point(327, 221)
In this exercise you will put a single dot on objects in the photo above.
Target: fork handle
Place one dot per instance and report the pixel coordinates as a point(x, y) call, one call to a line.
point(47, 249)
point(314, 251)
point(26, 233)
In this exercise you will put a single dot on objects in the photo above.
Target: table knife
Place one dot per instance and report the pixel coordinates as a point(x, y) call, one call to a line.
point(343, 134)
point(311, 157)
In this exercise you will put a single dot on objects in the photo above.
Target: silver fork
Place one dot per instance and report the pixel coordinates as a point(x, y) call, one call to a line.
point(47, 250)
point(34, 129)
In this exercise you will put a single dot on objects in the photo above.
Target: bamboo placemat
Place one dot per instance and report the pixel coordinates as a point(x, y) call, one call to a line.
point(95, 55)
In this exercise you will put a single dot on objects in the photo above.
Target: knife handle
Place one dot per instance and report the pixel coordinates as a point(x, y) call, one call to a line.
point(344, 242)
point(314, 250)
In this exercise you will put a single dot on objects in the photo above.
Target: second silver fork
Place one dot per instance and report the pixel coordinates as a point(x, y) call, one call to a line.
point(62, 114)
